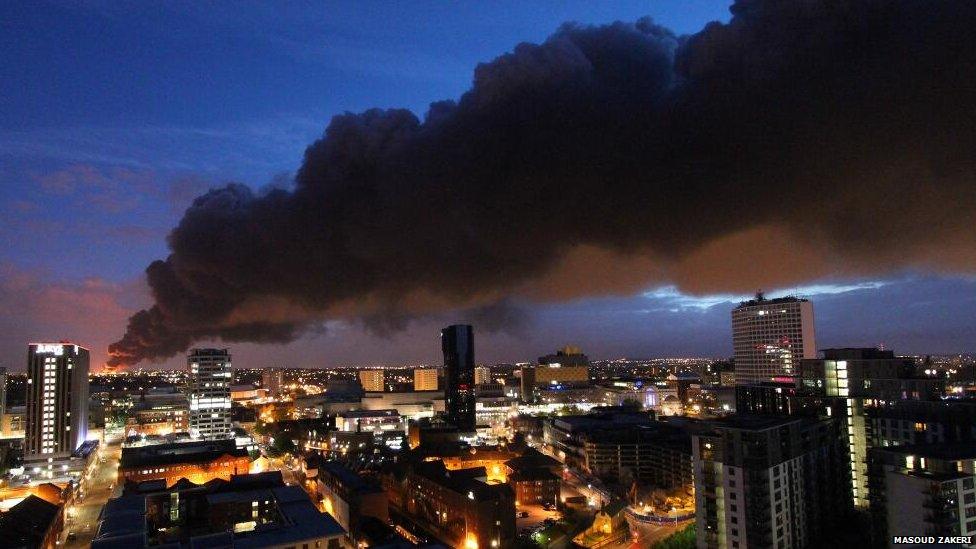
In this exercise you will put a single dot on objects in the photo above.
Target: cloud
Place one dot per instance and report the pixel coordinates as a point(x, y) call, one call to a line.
point(88, 311)
point(800, 141)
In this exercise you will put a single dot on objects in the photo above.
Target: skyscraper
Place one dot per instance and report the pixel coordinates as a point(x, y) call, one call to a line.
point(57, 402)
point(770, 337)
point(457, 342)
point(208, 393)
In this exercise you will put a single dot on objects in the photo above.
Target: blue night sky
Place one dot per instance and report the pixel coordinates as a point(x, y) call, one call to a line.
point(114, 118)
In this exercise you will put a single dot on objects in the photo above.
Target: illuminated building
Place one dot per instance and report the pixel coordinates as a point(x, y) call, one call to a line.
point(34, 522)
point(208, 393)
point(349, 497)
point(3, 390)
point(373, 380)
point(255, 511)
point(457, 342)
point(246, 394)
point(567, 368)
point(57, 405)
point(535, 486)
point(13, 422)
point(272, 380)
point(198, 462)
point(768, 481)
point(605, 444)
point(425, 379)
point(482, 375)
point(158, 414)
point(369, 421)
point(771, 337)
point(929, 488)
point(862, 375)
point(457, 506)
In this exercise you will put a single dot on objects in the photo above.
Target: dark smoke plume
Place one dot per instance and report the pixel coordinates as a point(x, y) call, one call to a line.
point(846, 127)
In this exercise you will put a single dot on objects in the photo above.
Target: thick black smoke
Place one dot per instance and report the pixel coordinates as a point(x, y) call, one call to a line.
point(850, 124)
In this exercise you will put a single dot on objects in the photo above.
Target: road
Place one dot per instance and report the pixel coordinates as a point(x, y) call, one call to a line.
point(82, 518)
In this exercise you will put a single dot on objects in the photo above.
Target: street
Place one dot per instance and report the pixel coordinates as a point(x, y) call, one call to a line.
point(82, 518)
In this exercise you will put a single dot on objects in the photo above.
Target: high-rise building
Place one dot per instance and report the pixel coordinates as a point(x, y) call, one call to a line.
point(766, 481)
point(457, 342)
point(208, 393)
point(771, 337)
point(860, 375)
point(482, 375)
point(425, 379)
point(57, 403)
point(566, 368)
point(3, 391)
point(372, 379)
point(273, 379)
point(928, 488)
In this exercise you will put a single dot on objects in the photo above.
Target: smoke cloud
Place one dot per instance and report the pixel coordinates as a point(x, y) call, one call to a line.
point(840, 134)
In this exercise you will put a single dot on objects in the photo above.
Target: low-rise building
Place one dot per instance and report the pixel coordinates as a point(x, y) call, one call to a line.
point(198, 461)
point(369, 421)
point(252, 511)
point(32, 523)
point(535, 486)
point(461, 507)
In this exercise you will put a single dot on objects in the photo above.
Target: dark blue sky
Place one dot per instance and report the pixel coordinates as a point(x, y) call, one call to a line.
point(114, 117)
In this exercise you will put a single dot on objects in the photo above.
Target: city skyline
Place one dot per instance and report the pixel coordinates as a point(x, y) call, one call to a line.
point(99, 187)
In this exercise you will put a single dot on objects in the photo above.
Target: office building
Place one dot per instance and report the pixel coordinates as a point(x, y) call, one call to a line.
point(482, 375)
point(372, 380)
point(57, 405)
point(767, 481)
point(457, 342)
point(927, 489)
point(254, 511)
point(208, 393)
point(273, 380)
point(567, 368)
point(771, 337)
point(425, 379)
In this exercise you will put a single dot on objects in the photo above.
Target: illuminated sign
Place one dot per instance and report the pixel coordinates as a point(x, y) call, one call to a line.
point(49, 349)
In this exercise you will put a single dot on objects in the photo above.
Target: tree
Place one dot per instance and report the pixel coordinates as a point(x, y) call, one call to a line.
point(682, 539)
point(281, 445)
point(632, 403)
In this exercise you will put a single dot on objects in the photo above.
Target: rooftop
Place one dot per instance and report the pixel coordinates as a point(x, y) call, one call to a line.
point(26, 523)
point(123, 521)
point(760, 299)
point(183, 452)
point(748, 422)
